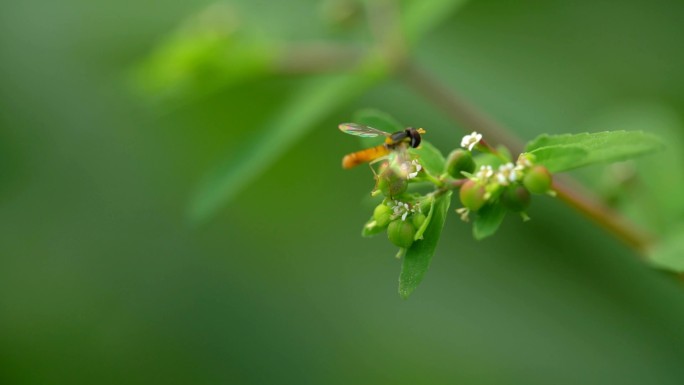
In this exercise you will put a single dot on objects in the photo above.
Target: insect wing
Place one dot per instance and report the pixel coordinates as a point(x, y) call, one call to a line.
point(400, 161)
point(361, 130)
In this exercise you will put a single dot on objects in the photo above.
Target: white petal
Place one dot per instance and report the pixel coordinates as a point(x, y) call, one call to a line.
point(501, 178)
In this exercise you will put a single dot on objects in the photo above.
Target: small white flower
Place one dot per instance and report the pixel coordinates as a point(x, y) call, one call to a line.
point(463, 212)
point(401, 209)
point(415, 166)
point(397, 208)
point(507, 173)
point(469, 141)
point(501, 178)
point(411, 169)
point(485, 173)
point(523, 162)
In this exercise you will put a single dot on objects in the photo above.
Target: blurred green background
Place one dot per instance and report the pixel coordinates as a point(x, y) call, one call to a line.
point(102, 279)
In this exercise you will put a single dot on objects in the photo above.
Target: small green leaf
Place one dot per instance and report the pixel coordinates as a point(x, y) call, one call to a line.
point(560, 158)
point(420, 16)
point(377, 119)
point(565, 152)
point(429, 156)
point(371, 228)
point(418, 256)
point(488, 220)
point(669, 253)
point(314, 101)
point(426, 222)
point(487, 159)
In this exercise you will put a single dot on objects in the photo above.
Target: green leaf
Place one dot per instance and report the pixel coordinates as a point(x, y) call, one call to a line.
point(669, 253)
point(418, 256)
point(483, 159)
point(419, 17)
point(565, 152)
point(377, 119)
point(488, 220)
point(430, 157)
point(560, 158)
point(315, 100)
point(203, 55)
point(652, 200)
point(428, 218)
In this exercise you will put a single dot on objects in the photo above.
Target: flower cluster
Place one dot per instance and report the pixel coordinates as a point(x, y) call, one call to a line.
point(401, 209)
point(401, 212)
point(502, 181)
point(487, 180)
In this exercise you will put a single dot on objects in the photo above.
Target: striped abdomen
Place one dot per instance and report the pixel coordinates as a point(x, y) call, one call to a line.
point(364, 156)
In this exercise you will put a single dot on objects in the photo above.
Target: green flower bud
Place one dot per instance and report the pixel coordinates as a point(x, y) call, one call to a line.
point(382, 215)
point(391, 184)
point(417, 219)
point(538, 180)
point(460, 160)
point(401, 233)
point(516, 198)
point(472, 195)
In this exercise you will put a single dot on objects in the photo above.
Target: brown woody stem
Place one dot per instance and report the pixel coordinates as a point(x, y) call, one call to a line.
point(569, 191)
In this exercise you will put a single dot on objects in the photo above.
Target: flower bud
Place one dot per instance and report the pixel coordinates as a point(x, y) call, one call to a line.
point(538, 180)
point(391, 184)
point(459, 160)
point(472, 195)
point(381, 215)
point(417, 219)
point(516, 198)
point(401, 233)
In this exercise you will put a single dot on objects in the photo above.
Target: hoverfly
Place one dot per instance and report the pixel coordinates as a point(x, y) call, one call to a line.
point(397, 142)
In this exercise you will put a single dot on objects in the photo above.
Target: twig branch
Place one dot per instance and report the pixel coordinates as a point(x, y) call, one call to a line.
point(570, 192)
point(315, 58)
point(576, 196)
point(310, 58)
point(457, 107)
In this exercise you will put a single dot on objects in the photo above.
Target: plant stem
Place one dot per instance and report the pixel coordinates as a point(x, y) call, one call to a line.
point(310, 58)
point(433, 180)
point(457, 107)
point(322, 58)
point(578, 198)
point(569, 191)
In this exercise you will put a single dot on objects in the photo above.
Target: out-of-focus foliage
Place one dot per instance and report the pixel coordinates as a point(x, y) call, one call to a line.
point(102, 280)
point(668, 252)
point(307, 107)
point(208, 52)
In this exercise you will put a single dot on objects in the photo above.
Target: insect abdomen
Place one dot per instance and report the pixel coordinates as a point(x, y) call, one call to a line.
point(364, 156)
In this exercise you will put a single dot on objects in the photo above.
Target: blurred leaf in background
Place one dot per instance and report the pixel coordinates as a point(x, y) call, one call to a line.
point(102, 280)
